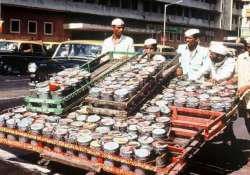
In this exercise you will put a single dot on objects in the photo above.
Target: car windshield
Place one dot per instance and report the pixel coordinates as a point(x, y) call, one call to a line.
point(139, 49)
point(78, 50)
point(8, 46)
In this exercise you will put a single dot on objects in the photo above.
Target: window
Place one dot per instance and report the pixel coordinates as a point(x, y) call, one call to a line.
point(37, 48)
point(147, 6)
point(171, 36)
point(178, 36)
point(48, 28)
point(114, 3)
point(32, 27)
point(103, 2)
point(15, 25)
point(25, 48)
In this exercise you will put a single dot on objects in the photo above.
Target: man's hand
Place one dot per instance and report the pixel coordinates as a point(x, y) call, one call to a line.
point(242, 90)
point(178, 71)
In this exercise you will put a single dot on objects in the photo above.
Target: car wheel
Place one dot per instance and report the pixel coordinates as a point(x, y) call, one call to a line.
point(9, 69)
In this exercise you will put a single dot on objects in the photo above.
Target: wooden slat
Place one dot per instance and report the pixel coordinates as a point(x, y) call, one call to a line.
point(189, 124)
point(183, 132)
point(192, 119)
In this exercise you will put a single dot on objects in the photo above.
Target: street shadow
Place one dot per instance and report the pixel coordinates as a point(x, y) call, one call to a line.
point(8, 168)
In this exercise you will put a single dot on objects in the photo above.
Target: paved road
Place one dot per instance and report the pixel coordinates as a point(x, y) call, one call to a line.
point(12, 90)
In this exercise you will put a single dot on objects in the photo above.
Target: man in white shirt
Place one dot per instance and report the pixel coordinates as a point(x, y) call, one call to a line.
point(150, 47)
point(117, 42)
point(194, 61)
point(223, 66)
point(242, 76)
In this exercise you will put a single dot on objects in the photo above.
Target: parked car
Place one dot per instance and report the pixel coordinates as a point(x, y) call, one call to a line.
point(50, 47)
point(15, 55)
point(166, 51)
point(68, 54)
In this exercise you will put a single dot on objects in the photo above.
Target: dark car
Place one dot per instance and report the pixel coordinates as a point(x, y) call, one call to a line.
point(74, 53)
point(50, 47)
point(15, 55)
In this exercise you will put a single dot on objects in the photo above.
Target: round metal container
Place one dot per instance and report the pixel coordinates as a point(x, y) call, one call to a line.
point(142, 154)
point(145, 140)
point(77, 124)
point(36, 128)
point(132, 128)
point(102, 130)
point(220, 107)
point(158, 125)
point(84, 139)
point(160, 146)
point(81, 118)
point(11, 123)
point(126, 151)
point(2, 120)
point(192, 102)
point(96, 144)
point(121, 94)
point(95, 92)
point(159, 133)
point(154, 110)
point(120, 126)
point(111, 147)
point(121, 140)
point(59, 133)
point(107, 94)
point(109, 122)
point(93, 119)
point(71, 137)
point(53, 119)
point(180, 102)
point(23, 125)
point(47, 131)
point(145, 130)
point(164, 120)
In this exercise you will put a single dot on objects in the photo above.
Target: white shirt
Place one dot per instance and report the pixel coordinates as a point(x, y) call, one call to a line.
point(194, 64)
point(243, 69)
point(224, 70)
point(125, 44)
point(243, 74)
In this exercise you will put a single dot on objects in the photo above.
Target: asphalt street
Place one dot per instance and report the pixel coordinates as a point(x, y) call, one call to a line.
point(215, 158)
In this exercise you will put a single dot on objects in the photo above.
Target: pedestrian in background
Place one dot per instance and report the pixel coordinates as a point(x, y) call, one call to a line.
point(150, 47)
point(117, 42)
point(194, 61)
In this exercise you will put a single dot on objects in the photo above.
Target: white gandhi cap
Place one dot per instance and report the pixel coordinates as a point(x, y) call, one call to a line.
point(117, 22)
point(150, 41)
point(191, 32)
point(219, 49)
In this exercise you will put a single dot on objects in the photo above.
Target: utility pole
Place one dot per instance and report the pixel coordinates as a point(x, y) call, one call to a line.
point(164, 19)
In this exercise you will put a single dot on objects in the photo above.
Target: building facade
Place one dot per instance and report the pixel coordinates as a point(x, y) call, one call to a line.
point(90, 19)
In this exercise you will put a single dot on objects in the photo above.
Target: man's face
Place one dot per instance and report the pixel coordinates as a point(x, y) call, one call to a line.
point(216, 58)
point(117, 30)
point(248, 48)
point(191, 41)
point(149, 49)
